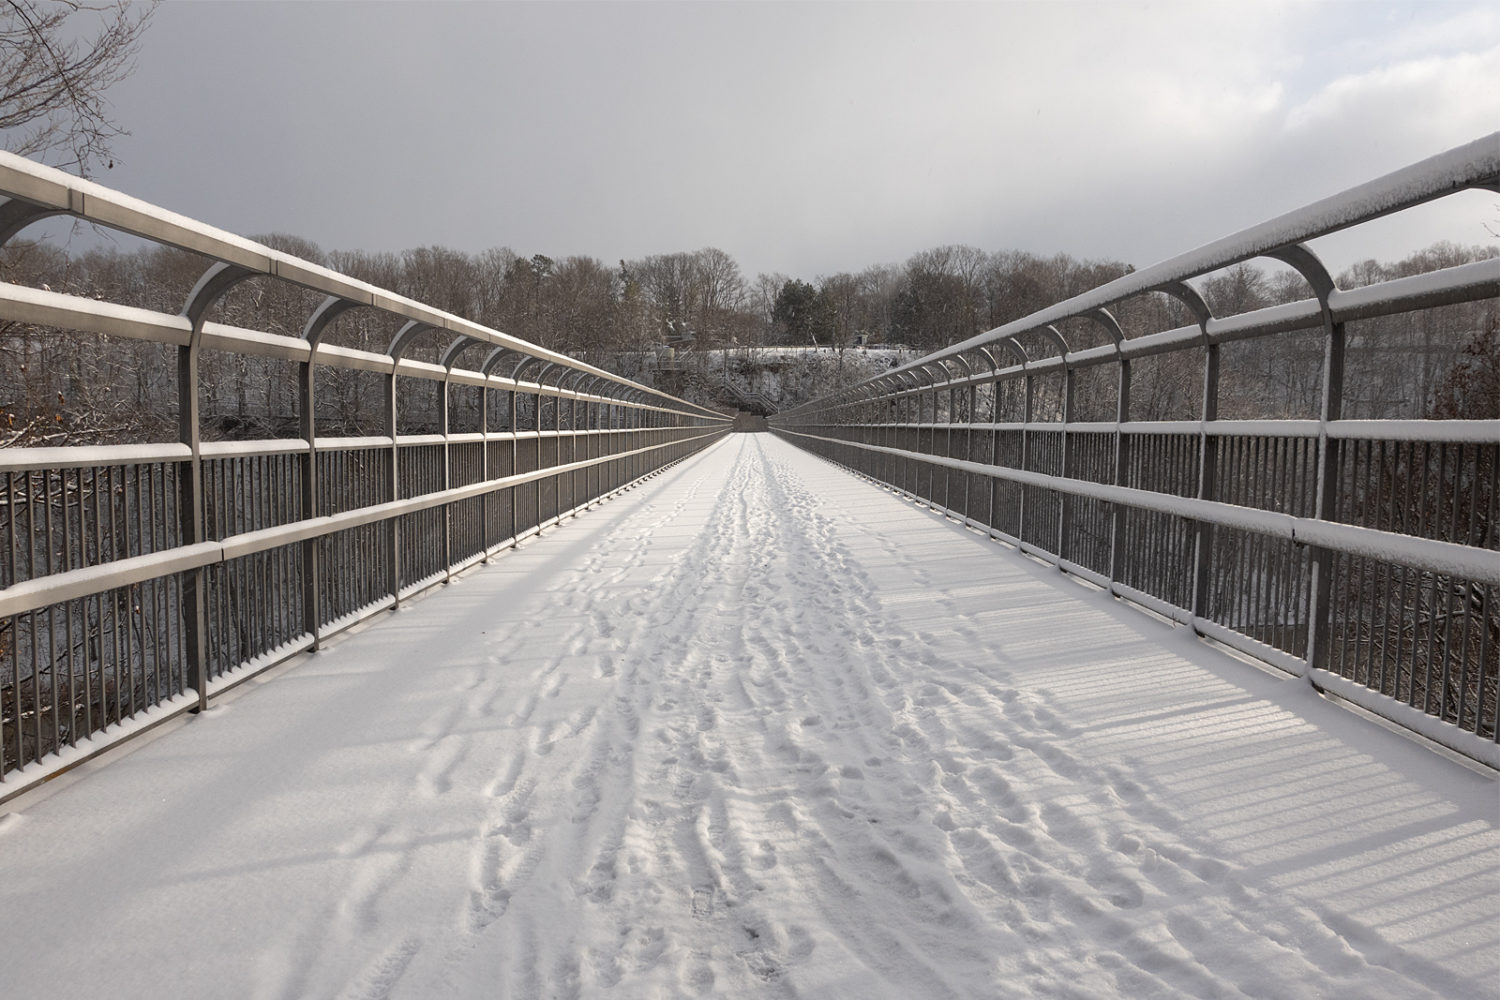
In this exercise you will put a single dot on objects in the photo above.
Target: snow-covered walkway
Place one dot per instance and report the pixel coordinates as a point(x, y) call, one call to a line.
point(759, 729)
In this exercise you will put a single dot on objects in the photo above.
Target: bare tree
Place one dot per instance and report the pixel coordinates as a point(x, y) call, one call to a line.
point(54, 73)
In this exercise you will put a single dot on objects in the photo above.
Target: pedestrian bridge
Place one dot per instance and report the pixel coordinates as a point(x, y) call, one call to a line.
point(1002, 684)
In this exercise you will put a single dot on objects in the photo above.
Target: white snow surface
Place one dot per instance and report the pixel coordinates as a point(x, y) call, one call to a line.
point(760, 729)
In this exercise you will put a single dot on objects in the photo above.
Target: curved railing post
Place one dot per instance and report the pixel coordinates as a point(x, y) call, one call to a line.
point(1208, 448)
point(211, 287)
point(972, 415)
point(399, 344)
point(1065, 458)
point(1331, 408)
point(1287, 539)
point(317, 325)
point(993, 487)
point(274, 532)
point(536, 421)
point(1104, 318)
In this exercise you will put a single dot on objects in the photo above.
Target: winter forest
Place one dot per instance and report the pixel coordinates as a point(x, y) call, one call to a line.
point(698, 309)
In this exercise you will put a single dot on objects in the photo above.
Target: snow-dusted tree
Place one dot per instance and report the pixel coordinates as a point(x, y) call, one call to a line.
point(57, 60)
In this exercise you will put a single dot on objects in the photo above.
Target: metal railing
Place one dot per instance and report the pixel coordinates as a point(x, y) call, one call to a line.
point(1359, 553)
point(138, 580)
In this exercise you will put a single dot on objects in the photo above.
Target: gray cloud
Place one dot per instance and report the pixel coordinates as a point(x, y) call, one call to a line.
point(804, 138)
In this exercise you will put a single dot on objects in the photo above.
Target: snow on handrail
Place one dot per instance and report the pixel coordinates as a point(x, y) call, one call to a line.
point(1362, 547)
point(1475, 164)
point(56, 192)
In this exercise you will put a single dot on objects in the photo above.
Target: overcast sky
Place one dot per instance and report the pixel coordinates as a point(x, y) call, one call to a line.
point(803, 138)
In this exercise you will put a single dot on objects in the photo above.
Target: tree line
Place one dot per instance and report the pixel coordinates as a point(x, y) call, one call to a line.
point(72, 389)
point(58, 61)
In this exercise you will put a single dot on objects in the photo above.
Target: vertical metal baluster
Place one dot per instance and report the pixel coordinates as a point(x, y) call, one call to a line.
point(1486, 597)
point(362, 490)
point(1205, 534)
point(1283, 451)
point(1182, 549)
point(1463, 597)
point(1232, 589)
point(1229, 553)
point(1411, 578)
point(1150, 527)
point(125, 600)
point(72, 551)
point(1409, 524)
point(313, 550)
point(288, 499)
point(343, 561)
point(218, 581)
point(1375, 472)
point(15, 678)
point(1364, 638)
point(1276, 552)
point(1395, 521)
point(144, 543)
point(160, 660)
point(443, 515)
point(1160, 529)
point(393, 492)
point(515, 455)
point(1241, 453)
point(93, 644)
point(341, 555)
point(1256, 488)
point(52, 658)
point(1449, 611)
point(1028, 414)
point(1486, 651)
point(1301, 449)
point(1063, 461)
point(948, 451)
point(1434, 647)
point(120, 596)
point(1297, 554)
point(1261, 486)
point(252, 605)
point(12, 536)
point(1118, 550)
point(353, 569)
point(279, 590)
point(1154, 526)
point(1396, 598)
point(1157, 528)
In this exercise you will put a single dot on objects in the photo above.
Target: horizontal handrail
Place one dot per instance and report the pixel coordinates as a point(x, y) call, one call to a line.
point(1453, 431)
point(30, 595)
point(1471, 282)
point(53, 192)
point(1479, 565)
point(136, 575)
point(1475, 164)
point(1330, 543)
point(58, 309)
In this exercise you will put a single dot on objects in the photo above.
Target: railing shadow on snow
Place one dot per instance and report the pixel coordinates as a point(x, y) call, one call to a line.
point(140, 579)
point(1358, 553)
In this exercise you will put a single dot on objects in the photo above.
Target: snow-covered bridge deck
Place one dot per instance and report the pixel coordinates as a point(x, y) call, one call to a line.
point(759, 729)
